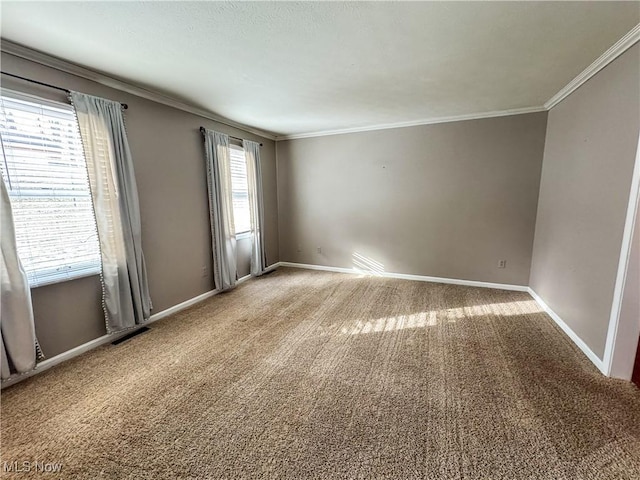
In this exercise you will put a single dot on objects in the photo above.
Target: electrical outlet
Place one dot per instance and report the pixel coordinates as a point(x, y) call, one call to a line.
point(299, 248)
point(319, 249)
point(502, 264)
point(205, 270)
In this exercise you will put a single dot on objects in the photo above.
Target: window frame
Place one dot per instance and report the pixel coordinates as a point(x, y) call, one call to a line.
point(61, 273)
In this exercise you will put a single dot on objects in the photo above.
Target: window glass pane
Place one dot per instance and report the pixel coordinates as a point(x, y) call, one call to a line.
point(240, 190)
point(44, 169)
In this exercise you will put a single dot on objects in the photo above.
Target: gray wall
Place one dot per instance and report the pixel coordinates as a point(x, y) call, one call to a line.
point(589, 155)
point(169, 163)
point(446, 200)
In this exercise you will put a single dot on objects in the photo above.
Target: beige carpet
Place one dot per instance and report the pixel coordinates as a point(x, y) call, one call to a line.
point(305, 374)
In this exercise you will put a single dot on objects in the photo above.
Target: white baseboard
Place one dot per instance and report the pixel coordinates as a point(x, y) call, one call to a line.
point(108, 338)
point(472, 283)
point(404, 276)
point(97, 342)
point(53, 361)
point(181, 306)
point(570, 333)
point(79, 350)
point(273, 266)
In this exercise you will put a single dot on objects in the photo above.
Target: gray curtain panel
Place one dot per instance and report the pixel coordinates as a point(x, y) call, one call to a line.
point(218, 158)
point(256, 206)
point(115, 201)
point(17, 328)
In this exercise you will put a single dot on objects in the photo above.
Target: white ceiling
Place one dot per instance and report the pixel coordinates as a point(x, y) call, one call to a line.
point(292, 68)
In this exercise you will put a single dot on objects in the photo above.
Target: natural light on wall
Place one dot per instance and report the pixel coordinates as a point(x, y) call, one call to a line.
point(366, 265)
point(44, 169)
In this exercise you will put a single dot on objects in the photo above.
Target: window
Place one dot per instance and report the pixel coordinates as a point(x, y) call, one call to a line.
point(44, 169)
point(240, 190)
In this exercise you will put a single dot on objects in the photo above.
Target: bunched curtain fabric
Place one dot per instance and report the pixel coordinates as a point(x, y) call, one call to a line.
point(256, 206)
point(115, 201)
point(17, 328)
point(223, 238)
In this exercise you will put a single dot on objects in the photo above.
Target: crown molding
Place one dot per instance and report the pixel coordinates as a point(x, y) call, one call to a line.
point(35, 56)
point(416, 123)
point(617, 49)
point(622, 45)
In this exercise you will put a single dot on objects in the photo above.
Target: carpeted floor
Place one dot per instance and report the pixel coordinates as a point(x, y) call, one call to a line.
point(305, 374)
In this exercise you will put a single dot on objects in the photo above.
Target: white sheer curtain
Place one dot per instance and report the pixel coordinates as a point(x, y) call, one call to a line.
point(223, 237)
point(17, 328)
point(115, 201)
point(256, 206)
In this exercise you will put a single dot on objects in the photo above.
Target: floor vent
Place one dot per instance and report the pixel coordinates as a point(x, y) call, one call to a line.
point(130, 335)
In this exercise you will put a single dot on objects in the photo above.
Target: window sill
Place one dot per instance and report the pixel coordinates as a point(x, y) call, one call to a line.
point(241, 235)
point(63, 279)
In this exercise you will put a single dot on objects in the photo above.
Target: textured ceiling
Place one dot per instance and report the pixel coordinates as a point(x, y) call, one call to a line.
point(292, 68)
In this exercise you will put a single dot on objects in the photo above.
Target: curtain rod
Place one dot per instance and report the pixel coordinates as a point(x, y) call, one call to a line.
point(124, 105)
point(202, 130)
